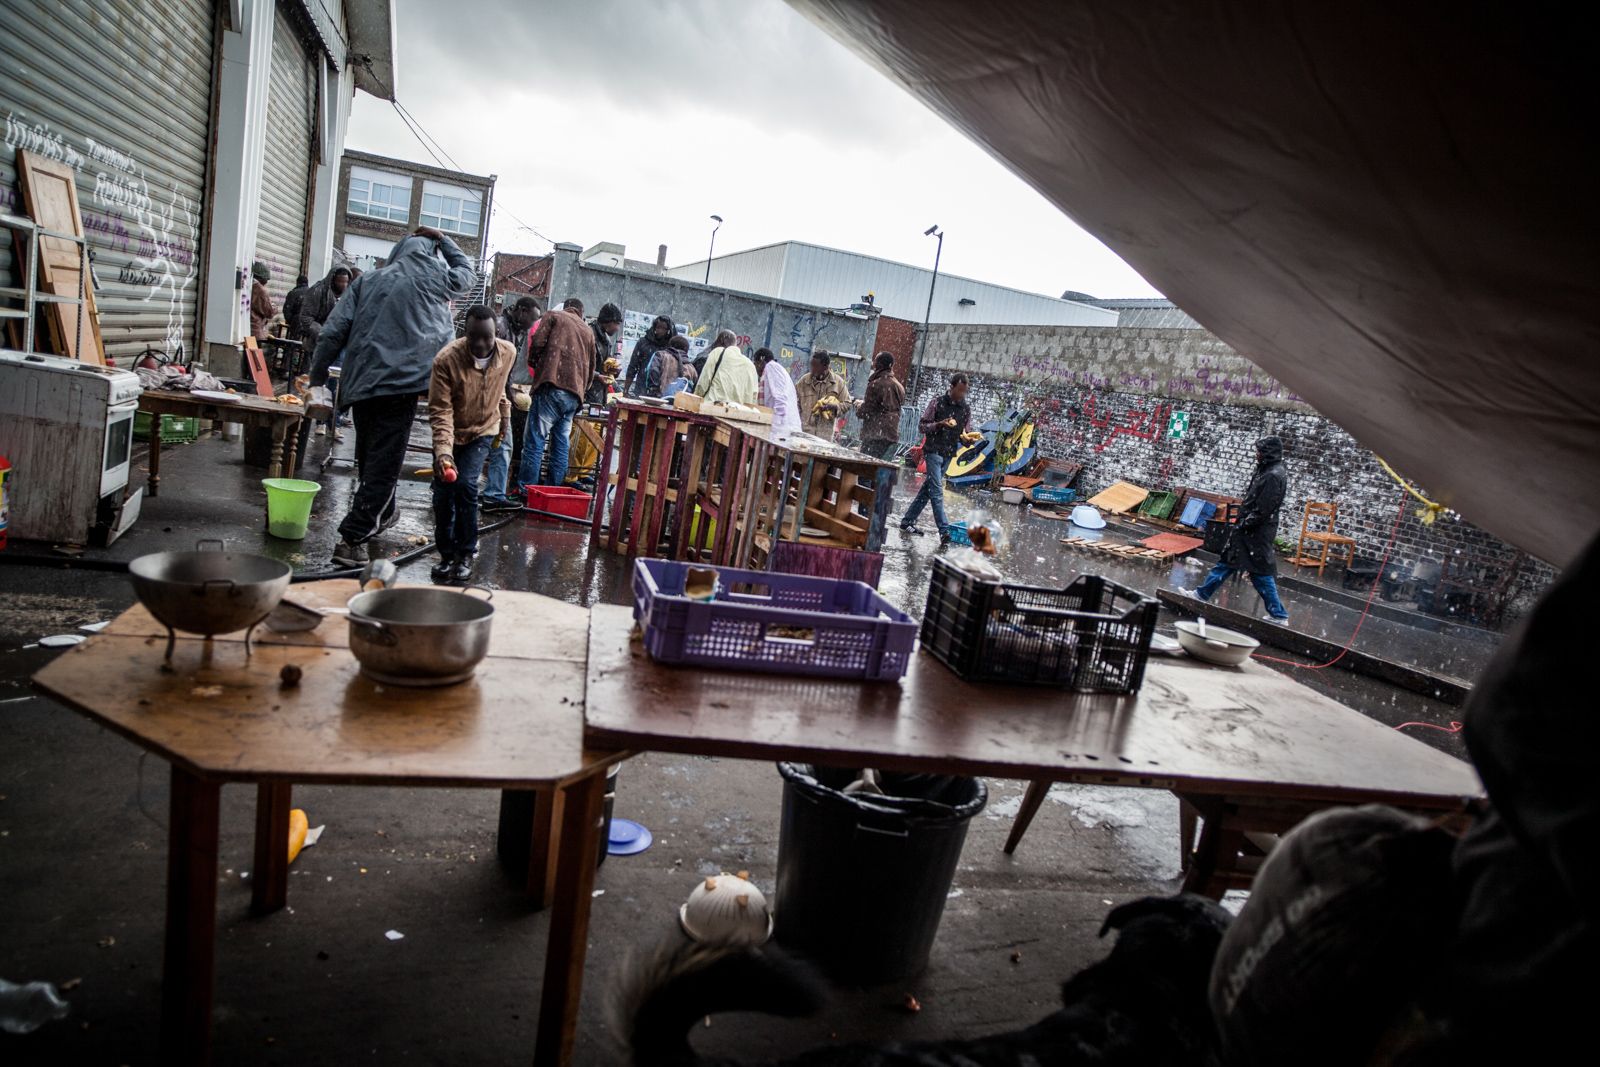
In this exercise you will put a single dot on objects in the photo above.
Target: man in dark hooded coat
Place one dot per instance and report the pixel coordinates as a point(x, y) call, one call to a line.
point(317, 304)
point(389, 325)
point(1249, 546)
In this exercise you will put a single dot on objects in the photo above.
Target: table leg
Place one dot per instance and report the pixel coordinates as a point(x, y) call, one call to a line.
point(1037, 790)
point(578, 856)
point(189, 959)
point(1188, 818)
point(154, 485)
point(275, 463)
point(529, 831)
point(269, 886)
point(291, 446)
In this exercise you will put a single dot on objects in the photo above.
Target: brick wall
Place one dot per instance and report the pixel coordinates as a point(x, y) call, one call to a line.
point(1105, 397)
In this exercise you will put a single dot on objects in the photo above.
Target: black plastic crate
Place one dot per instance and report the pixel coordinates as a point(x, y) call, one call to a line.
point(1093, 636)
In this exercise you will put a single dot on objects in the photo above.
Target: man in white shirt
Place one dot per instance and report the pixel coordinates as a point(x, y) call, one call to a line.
point(777, 392)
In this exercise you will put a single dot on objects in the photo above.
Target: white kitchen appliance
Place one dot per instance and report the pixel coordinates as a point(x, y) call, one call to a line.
point(67, 428)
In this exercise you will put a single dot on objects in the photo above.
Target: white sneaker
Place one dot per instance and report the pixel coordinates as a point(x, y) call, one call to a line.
point(1276, 621)
point(1192, 595)
point(320, 430)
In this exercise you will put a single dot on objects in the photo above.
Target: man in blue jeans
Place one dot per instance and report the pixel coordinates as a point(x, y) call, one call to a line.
point(1249, 546)
point(942, 425)
point(561, 361)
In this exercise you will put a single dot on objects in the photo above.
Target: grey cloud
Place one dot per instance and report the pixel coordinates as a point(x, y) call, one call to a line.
point(756, 60)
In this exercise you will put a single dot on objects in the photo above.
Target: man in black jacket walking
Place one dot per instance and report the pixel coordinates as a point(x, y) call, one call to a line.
point(1249, 546)
point(942, 424)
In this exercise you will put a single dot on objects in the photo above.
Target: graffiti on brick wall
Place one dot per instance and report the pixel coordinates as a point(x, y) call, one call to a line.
point(1210, 379)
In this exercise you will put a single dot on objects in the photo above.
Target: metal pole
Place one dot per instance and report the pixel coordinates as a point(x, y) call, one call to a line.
point(922, 349)
point(713, 247)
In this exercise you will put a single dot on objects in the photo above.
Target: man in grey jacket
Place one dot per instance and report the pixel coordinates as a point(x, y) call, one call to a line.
point(389, 325)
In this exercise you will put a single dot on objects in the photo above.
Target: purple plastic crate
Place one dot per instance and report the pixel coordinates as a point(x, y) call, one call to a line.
point(785, 623)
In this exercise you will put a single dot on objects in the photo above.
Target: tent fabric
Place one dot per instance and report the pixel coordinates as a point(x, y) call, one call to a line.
point(1388, 207)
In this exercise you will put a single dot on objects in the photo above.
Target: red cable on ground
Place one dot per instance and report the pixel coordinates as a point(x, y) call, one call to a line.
point(1393, 531)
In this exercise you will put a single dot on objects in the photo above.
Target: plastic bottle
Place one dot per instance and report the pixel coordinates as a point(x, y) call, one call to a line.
point(25, 1008)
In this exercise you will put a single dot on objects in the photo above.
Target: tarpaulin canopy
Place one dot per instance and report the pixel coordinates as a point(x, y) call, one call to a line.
point(1391, 207)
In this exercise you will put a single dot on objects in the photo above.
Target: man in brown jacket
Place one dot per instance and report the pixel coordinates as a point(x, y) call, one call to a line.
point(823, 395)
point(469, 412)
point(561, 360)
point(880, 409)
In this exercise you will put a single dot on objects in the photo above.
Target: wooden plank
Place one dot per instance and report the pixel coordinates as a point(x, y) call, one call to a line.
point(1241, 731)
point(188, 966)
point(1428, 683)
point(49, 193)
point(1119, 497)
point(647, 440)
point(269, 878)
point(662, 473)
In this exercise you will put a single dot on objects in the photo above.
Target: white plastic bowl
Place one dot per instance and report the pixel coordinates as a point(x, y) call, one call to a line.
point(1229, 648)
point(726, 906)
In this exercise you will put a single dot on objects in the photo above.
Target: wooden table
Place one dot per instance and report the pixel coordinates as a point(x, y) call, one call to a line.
point(252, 411)
point(221, 717)
point(1249, 749)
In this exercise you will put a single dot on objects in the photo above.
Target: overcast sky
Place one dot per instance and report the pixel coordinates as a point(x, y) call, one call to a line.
point(635, 120)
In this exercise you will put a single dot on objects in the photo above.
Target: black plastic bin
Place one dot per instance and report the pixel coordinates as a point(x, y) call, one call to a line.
point(862, 879)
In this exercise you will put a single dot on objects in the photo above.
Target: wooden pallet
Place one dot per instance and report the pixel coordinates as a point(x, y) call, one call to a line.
point(1123, 551)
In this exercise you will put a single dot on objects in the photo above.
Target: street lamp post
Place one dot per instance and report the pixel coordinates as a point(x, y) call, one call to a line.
point(922, 349)
point(713, 247)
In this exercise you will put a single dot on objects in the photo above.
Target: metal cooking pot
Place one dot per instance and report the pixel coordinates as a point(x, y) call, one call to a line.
point(208, 593)
point(419, 637)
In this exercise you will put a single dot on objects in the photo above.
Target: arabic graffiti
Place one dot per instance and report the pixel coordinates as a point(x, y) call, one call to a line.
point(1145, 425)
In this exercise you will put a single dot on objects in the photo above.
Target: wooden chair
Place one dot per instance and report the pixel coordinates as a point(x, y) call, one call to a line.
point(1334, 547)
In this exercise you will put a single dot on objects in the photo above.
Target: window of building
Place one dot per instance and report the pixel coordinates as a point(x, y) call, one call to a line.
point(378, 195)
point(451, 208)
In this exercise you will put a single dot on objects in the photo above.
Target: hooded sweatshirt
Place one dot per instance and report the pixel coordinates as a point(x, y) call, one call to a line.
point(391, 322)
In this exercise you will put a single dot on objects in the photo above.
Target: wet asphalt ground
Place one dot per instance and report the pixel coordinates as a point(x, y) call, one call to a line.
point(83, 834)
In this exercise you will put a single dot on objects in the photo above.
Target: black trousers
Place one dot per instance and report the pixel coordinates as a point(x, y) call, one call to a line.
point(383, 426)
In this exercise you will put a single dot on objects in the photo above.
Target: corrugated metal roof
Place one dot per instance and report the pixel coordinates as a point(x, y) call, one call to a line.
point(831, 277)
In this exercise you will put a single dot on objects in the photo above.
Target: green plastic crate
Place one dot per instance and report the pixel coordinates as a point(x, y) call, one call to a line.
point(1158, 505)
point(175, 429)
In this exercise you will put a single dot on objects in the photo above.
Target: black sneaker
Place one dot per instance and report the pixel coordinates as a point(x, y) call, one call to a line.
point(348, 555)
point(909, 529)
point(461, 569)
point(494, 504)
point(944, 538)
point(441, 570)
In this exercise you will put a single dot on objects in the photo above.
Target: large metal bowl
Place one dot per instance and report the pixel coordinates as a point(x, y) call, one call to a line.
point(419, 637)
point(208, 593)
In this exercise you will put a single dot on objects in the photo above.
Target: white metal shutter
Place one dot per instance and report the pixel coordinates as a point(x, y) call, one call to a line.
point(121, 91)
point(283, 226)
